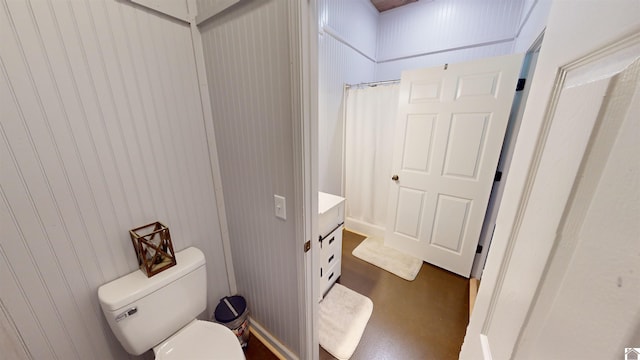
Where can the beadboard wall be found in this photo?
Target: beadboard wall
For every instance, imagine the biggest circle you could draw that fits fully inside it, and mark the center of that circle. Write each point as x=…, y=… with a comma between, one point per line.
x=356, y=21
x=430, y=33
x=532, y=23
x=101, y=131
x=393, y=69
x=10, y=342
x=341, y=64
x=247, y=58
x=208, y=8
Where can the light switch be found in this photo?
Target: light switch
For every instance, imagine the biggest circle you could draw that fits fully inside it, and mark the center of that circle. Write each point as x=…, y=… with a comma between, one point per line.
x=280, y=204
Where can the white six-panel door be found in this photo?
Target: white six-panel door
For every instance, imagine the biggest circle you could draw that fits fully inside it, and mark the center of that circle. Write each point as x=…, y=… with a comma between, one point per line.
x=449, y=132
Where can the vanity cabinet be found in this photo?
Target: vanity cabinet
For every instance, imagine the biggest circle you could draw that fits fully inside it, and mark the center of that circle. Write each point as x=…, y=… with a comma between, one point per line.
x=331, y=224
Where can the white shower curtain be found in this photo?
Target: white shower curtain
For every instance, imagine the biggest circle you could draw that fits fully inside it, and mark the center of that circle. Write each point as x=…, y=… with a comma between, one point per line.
x=370, y=117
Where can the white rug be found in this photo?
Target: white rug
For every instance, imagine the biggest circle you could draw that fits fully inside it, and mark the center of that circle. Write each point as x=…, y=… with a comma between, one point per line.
x=372, y=250
x=343, y=317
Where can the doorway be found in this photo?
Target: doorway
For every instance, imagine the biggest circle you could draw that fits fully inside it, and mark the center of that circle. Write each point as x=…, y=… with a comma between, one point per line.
x=348, y=59
x=427, y=290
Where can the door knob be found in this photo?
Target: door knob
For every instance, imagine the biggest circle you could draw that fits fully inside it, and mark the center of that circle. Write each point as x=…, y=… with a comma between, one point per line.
x=395, y=178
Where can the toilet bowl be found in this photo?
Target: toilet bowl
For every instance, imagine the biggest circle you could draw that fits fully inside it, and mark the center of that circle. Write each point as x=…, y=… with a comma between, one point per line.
x=159, y=313
x=200, y=340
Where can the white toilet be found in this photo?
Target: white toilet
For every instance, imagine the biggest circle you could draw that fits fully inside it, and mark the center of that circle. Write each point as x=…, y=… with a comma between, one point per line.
x=160, y=313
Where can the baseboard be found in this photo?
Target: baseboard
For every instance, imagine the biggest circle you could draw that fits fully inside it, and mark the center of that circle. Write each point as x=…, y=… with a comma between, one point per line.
x=364, y=228
x=270, y=341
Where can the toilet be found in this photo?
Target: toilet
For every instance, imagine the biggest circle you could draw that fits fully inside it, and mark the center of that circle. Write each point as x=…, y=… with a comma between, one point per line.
x=160, y=312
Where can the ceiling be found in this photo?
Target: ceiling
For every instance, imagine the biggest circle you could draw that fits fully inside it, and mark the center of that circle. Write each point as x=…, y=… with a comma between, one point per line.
x=384, y=5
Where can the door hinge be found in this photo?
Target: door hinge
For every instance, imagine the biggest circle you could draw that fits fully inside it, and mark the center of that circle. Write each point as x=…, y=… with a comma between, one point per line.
x=520, y=85
x=479, y=249
x=498, y=176
x=307, y=246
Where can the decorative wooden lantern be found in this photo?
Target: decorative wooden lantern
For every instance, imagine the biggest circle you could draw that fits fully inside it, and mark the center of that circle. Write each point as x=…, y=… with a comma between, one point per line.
x=153, y=247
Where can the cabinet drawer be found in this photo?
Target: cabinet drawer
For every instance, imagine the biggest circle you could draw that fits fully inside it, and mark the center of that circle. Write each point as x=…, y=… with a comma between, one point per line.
x=329, y=277
x=329, y=257
x=331, y=242
x=333, y=257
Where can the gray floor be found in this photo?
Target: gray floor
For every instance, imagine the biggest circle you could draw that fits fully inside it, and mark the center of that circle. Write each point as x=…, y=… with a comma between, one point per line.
x=421, y=319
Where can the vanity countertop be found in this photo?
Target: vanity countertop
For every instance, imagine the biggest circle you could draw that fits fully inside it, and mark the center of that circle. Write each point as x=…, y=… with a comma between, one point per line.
x=327, y=201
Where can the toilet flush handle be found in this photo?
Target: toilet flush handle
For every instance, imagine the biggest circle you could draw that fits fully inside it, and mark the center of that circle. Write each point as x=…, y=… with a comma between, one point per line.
x=127, y=313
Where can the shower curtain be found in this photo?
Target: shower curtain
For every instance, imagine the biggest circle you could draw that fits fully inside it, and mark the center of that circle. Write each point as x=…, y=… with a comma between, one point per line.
x=370, y=117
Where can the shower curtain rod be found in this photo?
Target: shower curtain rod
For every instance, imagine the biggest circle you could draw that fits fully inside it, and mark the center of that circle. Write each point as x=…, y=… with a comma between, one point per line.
x=375, y=83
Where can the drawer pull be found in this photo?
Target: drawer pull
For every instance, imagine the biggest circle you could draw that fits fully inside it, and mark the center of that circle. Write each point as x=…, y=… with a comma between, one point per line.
x=330, y=276
x=331, y=240
x=320, y=272
x=330, y=259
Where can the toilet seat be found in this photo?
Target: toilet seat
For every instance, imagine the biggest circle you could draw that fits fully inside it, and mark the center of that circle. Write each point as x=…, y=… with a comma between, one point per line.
x=200, y=340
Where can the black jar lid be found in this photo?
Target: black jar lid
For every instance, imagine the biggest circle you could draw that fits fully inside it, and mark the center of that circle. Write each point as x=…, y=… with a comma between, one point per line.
x=230, y=308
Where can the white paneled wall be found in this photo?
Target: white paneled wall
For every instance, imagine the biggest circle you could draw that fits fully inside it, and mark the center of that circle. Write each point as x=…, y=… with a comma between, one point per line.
x=532, y=23
x=430, y=26
x=101, y=131
x=393, y=69
x=431, y=33
x=356, y=21
x=340, y=64
x=209, y=8
x=248, y=69
x=10, y=342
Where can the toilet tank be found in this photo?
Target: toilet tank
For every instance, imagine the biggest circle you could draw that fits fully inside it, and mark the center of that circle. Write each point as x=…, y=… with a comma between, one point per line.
x=142, y=312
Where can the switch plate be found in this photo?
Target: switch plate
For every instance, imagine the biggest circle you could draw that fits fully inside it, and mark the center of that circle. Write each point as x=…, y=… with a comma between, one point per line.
x=280, y=206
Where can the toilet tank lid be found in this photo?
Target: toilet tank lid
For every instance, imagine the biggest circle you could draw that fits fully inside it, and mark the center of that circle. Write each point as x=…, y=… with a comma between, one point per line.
x=129, y=288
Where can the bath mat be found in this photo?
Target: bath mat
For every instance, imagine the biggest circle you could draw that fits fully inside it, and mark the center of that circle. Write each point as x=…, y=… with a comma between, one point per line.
x=372, y=250
x=343, y=317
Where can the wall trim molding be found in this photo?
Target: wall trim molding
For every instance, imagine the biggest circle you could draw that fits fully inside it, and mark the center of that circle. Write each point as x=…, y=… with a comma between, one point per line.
x=524, y=19
x=465, y=47
x=270, y=341
x=303, y=54
x=364, y=228
x=175, y=12
x=207, y=117
x=334, y=34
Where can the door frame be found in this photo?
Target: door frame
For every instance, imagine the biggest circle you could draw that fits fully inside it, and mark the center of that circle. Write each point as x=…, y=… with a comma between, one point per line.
x=516, y=266
x=303, y=54
x=508, y=145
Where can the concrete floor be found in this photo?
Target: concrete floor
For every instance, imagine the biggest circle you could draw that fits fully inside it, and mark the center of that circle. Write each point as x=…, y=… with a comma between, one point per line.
x=421, y=319
x=257, y=351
